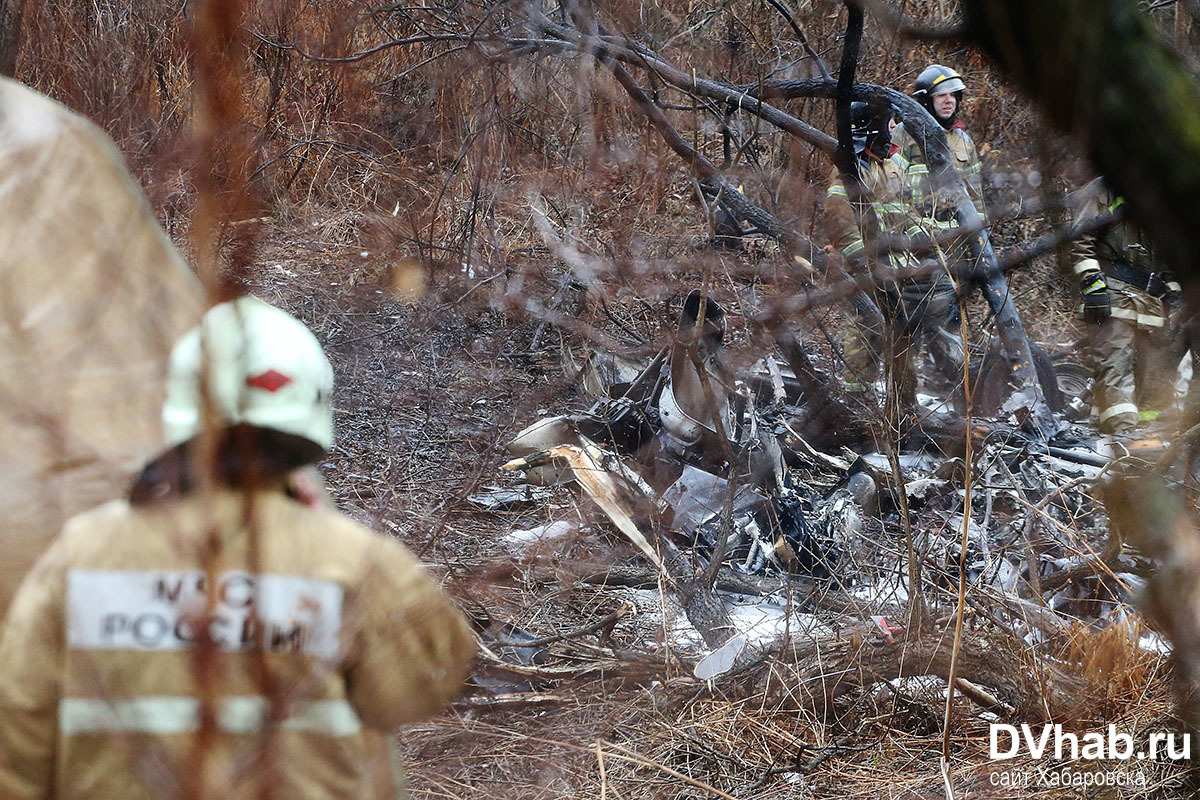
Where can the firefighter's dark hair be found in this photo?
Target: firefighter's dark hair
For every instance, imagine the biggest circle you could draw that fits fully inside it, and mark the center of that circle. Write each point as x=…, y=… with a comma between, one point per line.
x=246, y=457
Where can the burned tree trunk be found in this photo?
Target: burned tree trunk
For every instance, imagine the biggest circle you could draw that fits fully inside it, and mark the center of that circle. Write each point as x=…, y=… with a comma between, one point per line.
x=708, y=615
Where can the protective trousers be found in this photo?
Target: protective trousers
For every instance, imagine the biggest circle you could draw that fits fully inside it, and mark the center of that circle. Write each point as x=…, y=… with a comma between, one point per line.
x=912, y=327
x=1135, y=360
x=1135, y=374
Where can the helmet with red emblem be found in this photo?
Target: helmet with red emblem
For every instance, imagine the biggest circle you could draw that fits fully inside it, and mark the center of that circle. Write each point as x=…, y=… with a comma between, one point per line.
x=249, y=363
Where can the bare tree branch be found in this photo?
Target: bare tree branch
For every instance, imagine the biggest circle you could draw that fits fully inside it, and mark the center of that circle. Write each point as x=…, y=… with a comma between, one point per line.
x=901, y=25
x=628, y=52
x=802, y=38
x=736, y=202
x=363, y=54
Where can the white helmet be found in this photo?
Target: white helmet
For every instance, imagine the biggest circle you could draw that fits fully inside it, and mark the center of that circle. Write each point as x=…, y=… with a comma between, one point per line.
x=263, y=368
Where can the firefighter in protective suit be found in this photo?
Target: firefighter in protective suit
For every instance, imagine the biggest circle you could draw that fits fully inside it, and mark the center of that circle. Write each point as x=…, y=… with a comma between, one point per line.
x=1124, y=291
x=940, y=90
x=214, y=635
x=912, y=306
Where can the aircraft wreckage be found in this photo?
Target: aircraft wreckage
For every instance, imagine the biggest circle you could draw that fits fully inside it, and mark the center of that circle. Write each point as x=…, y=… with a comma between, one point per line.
x=752, y=485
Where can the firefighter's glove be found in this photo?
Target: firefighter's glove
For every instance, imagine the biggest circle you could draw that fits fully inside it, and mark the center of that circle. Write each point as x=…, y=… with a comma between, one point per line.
x=1096, y=305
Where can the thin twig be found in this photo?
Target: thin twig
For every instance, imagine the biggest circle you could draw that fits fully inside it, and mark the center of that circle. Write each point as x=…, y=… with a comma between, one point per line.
x=607, y=621
x=801, y=37
x=951, y=683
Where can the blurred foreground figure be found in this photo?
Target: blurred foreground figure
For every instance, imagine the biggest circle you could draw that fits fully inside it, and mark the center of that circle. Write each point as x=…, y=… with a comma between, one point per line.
x=92, y=297
x=219, y=633
x=1125, y=296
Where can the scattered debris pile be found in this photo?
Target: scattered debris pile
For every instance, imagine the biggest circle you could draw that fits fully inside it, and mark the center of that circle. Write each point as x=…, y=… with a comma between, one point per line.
x=765, y=549
x=688, y=447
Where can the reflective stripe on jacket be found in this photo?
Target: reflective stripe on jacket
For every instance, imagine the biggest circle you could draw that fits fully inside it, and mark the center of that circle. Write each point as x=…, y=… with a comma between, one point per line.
x=315, y=629
x=966, y=160
x=1121, y=241
x=884, y=181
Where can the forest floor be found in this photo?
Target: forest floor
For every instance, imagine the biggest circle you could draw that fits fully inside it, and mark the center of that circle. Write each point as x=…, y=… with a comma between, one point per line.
x=429, y=392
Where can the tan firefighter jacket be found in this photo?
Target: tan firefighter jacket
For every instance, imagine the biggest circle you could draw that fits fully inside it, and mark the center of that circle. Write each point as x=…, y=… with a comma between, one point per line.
x=887, y=195
x=1120, y=242
x=966, y=160
x=222, y=646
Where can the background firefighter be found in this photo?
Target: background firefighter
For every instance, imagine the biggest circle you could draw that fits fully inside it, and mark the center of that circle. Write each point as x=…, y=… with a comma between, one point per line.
x=220, y=633
x=913, y=306
x=940, y=90
x=1124, y=290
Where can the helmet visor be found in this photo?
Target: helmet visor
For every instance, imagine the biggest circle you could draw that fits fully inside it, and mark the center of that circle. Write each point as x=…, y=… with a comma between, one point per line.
x=946, y=84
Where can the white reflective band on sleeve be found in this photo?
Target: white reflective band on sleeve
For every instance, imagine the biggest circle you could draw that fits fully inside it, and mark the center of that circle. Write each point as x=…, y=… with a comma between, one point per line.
x=1119, y=408
x=166, y=716
x=1172, y=286
x=158, y=611
x=1087, y=265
